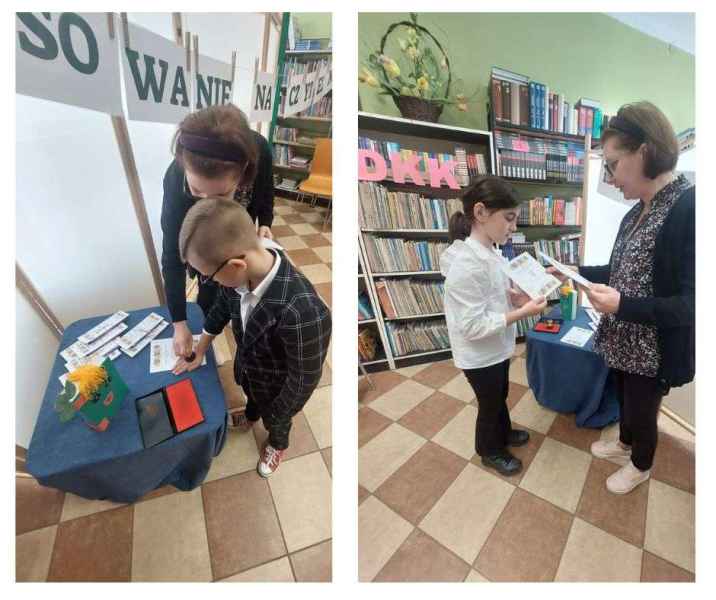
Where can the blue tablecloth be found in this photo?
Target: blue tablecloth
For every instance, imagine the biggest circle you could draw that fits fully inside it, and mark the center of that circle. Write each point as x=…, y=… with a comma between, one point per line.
x=569, y=379
x=114, y=464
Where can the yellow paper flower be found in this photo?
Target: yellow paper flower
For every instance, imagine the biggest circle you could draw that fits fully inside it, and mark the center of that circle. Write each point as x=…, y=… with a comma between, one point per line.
x=412, y=52
x=406, y=91
x=367, y=77
x=403, y=44
x=423, y=83
x=462, y=106
x=390, y=66
x=412, y=35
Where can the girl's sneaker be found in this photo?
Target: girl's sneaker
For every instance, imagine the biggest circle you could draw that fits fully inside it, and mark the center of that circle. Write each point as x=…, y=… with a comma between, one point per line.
x=612, y=450
x=269, y=461
x=626, y=479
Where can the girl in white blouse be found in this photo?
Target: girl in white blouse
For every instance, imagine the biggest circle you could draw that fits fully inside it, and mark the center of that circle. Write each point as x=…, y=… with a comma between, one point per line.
x=481, y=308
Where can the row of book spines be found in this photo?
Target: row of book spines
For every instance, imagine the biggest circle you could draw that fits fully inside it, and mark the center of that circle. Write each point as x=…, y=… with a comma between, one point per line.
x=550, y=211
x=417, y=337
x=403, y=250
x=391, y=210
x=386, y=300
x=533, y=105
x=540, y=167
x=561, y=250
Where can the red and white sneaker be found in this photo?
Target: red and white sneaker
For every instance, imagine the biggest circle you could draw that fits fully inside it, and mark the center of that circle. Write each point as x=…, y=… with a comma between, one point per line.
x=269, y=461
x=239, y=421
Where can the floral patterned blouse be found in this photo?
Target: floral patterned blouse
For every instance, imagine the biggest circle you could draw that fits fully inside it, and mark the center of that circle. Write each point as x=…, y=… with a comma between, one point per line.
x=633, y=347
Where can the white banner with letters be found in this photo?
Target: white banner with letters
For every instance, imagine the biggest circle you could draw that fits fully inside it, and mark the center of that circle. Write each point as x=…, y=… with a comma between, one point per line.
x=156, y=81
x=262, y=97
x=68, y=57
x=212, y=83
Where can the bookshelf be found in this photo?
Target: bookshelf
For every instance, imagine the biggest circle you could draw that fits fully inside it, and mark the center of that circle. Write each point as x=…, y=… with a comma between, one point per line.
x=293, y=136
x=418, y=136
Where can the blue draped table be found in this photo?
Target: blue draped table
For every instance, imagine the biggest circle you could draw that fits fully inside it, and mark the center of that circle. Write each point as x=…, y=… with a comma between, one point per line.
x=569, y=379
x=114, y=464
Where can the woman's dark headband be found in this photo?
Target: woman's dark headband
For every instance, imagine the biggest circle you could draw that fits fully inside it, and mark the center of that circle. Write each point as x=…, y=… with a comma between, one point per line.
x=627, y=127
x=211, y=148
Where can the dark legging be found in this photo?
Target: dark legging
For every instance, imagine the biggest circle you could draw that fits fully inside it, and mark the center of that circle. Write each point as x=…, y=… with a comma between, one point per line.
x=639, y=401
x=491, y=385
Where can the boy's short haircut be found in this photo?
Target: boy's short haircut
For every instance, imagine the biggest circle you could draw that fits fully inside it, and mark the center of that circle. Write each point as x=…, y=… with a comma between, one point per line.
x=216, y=229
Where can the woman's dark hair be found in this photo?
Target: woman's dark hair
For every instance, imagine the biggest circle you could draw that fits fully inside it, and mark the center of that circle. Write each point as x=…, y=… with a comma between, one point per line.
x=226, y=127
x=493, y=192
x=643, y=123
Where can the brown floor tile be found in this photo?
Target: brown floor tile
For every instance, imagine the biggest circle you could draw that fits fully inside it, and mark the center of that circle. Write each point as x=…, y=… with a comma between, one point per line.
x=315, y=240
x=94, y=548
x=314, y=563
x=241, y=523
x=362, y=494
x=525, y=453
x=292, y=218
x=417, y=485
x=432, y=414
x=565, y=430
x=438, y=374
x=515, y=393
x=282, y=231
x=674, y=463
x=370, y=424
x=325, y=292
x=527, y=541
x=327, y=454
x=621, y=515
x=36, y=505
x=656, y=569
x=233, y=394
x=159, y=492
x=382, y=382
x=303, y=257
x=301, y=440
x=421, y=558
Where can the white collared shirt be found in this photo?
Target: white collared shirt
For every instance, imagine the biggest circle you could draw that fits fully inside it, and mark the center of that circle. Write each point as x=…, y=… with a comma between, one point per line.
x=476, y=304
x=249, y=298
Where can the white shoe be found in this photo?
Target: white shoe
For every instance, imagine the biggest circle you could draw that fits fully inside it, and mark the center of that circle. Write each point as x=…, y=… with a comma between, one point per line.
x=612, y=450
x=269, y=461
x=626, y=479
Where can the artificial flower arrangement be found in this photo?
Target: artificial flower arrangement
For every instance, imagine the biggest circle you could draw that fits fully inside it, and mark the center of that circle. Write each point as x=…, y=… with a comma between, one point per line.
x=420, y=80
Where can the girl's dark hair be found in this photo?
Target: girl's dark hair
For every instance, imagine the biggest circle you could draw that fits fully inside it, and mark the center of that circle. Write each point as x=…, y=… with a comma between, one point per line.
x=225, y=124
x=493, y=192
x=643, y=123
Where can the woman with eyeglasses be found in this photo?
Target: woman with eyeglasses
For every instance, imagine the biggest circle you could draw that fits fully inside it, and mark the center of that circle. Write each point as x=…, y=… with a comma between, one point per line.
x=646, y=293
x=216, y=154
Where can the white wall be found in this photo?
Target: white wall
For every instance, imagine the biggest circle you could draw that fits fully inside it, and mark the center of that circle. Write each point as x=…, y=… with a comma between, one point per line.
x=35, y=352
x=604, y=215
x=78, y=239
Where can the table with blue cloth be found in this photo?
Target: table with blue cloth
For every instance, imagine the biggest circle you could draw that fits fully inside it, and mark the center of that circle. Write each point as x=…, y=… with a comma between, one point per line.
x=114, y=464
x=569, y=379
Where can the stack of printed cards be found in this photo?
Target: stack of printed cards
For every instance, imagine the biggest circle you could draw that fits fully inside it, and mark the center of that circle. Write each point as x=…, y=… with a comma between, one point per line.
x=594, y=318
x=137, y=338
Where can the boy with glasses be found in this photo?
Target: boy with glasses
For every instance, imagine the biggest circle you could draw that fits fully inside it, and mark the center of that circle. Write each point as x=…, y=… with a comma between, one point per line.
x=282, y=327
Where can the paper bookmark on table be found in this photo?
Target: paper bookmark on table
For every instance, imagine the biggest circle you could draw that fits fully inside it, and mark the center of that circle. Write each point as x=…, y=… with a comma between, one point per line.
x=162, y=357
x=571, y=274
x=577, y=336
x=134, y=350
x=103, y=327
x=134, y=335
x=110, y=351
x=530, y=276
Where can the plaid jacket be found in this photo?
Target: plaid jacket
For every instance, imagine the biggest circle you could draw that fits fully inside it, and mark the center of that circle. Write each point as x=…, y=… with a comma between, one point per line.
x=281, y=354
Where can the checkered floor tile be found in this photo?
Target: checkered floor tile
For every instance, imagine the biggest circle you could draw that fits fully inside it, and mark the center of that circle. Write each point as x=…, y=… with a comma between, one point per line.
x=430, y=511
x=236, y=526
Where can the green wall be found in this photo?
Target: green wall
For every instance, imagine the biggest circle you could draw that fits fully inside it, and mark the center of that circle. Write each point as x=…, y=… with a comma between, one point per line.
x=314, y=25
x=578, y=54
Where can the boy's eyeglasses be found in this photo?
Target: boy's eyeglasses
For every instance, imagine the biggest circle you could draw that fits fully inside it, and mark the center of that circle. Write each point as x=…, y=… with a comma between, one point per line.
x=204, y=279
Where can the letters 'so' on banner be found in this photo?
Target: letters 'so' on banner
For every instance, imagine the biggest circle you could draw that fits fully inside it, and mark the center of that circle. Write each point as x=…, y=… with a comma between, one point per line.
x=155, y=78
x=69, y=58
x=262, y=97
x=212, y=83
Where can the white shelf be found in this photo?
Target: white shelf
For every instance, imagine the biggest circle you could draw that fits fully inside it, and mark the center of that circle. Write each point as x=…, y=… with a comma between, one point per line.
x=307, y=52
x=417, y=354
x=425, y=124
x=436, y=231
x=411, y=317
x=375, y=362
x=363, y=321
x=403, y=273
x=296, y=144
x=288, y=168
x=308, y=119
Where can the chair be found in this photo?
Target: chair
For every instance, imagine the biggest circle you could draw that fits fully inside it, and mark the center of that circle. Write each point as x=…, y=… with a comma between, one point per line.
x=320, y=179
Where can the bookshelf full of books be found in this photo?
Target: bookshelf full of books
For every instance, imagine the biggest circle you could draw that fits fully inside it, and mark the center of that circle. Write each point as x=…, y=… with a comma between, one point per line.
x=294, y=137
x=403, y=230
